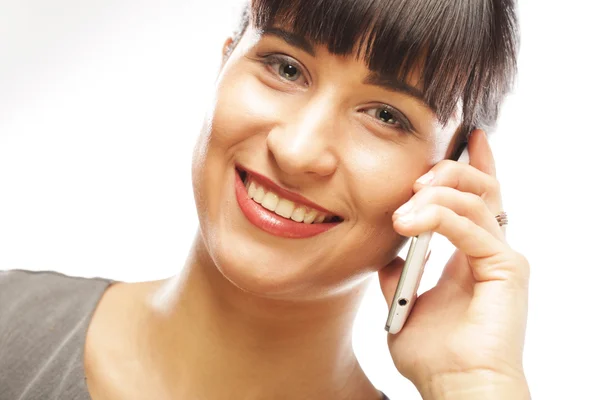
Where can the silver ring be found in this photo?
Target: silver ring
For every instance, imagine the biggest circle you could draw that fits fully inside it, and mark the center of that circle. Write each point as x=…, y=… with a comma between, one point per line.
x=502, y=219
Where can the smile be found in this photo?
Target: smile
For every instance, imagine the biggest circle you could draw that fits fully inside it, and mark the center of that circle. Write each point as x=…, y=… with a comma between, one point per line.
x=279, y=211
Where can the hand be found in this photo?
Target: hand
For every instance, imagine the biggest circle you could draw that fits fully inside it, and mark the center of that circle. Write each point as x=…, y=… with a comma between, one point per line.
x=472, y=323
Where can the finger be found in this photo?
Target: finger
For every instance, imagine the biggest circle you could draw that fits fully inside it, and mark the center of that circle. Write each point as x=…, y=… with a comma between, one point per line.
x=477, y=178
x=465, y=178
x=480, y=153
x=489, y=258
x=480, y=179
x=464, y=234
x=483, y=160
x=462, y=203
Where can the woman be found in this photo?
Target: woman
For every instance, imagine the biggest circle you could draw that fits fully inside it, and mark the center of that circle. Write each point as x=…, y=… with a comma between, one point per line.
x=328, y=143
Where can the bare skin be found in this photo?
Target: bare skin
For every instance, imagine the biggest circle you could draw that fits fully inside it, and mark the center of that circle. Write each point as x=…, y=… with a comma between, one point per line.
x=194, y=346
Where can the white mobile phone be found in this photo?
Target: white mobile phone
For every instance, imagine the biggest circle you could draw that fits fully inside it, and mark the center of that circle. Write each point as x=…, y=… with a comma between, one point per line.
x=406, y=291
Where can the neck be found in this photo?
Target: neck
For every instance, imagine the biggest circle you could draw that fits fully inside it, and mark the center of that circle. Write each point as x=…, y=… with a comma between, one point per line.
x=212, y=334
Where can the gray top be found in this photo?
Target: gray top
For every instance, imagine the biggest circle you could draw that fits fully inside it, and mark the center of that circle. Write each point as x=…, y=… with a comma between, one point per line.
x=44, y=317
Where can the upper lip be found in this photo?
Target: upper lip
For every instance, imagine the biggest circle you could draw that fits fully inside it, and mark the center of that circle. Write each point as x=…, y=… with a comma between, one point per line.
x=273, y=187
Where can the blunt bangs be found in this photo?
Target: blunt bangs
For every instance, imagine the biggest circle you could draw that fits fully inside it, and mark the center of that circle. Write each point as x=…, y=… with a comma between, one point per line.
x=464, y=50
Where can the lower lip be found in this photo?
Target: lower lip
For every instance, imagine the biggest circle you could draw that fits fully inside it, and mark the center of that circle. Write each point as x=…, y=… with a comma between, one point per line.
x=272, y=223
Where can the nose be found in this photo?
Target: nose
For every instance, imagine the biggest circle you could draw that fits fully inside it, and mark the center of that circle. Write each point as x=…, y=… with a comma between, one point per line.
x=305, y=141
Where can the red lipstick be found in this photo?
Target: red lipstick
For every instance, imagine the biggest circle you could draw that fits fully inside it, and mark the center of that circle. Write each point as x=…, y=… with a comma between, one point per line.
x=272, y=223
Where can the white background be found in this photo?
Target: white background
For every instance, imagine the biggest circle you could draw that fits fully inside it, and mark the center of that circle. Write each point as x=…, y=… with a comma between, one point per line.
x=101, y=102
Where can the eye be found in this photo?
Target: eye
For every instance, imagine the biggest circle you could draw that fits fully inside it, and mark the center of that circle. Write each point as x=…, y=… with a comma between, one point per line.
x=289, y=72
x=385, y=116
x=284, y=67
x=389, y=116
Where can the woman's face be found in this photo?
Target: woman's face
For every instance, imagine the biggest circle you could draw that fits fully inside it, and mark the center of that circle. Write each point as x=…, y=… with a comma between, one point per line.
x=333, y=141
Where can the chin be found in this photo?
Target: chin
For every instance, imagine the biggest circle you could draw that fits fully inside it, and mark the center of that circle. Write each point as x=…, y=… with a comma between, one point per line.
x=269, y=271
x=261, y=268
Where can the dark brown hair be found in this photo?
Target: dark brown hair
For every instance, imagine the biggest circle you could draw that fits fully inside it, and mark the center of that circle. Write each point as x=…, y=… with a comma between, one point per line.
x=466, y=49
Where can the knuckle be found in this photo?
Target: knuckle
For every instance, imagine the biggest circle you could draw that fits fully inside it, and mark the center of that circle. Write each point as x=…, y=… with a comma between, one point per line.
x=476, y=202
x=494, y=186
x=444, y=168
x=444, y=164
x=435, y=213
x=474, y=207
x=464, y=221
x=444, y=217
x=521, y=269
x=430, y=193
x=438, y=211
x=523, y=264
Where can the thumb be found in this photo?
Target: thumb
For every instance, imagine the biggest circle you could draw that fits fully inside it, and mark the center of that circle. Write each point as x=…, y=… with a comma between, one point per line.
x=389, y=276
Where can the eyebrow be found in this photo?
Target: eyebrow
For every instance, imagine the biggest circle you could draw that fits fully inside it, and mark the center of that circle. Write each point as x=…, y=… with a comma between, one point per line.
x=395, y=85
x=292, y=39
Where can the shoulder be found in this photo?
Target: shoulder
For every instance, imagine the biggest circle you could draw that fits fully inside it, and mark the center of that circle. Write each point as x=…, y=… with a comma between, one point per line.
x=44, y=296
x=32, y=303
x=43, y=321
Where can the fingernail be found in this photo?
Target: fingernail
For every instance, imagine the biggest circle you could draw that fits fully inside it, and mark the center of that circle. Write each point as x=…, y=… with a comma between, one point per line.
x=425, y=179
x=406, y=207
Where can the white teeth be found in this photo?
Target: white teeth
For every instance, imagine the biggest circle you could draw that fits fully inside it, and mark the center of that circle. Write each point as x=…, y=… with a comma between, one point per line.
x=285, y=208
x=270, y=201
x=259, y=195
x=310, y=217
x=298, y=214
x=252, y=190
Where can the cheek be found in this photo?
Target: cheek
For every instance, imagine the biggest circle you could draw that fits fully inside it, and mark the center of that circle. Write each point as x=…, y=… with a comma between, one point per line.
x=381, y=181
x=243, y=108
x=383, y=178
